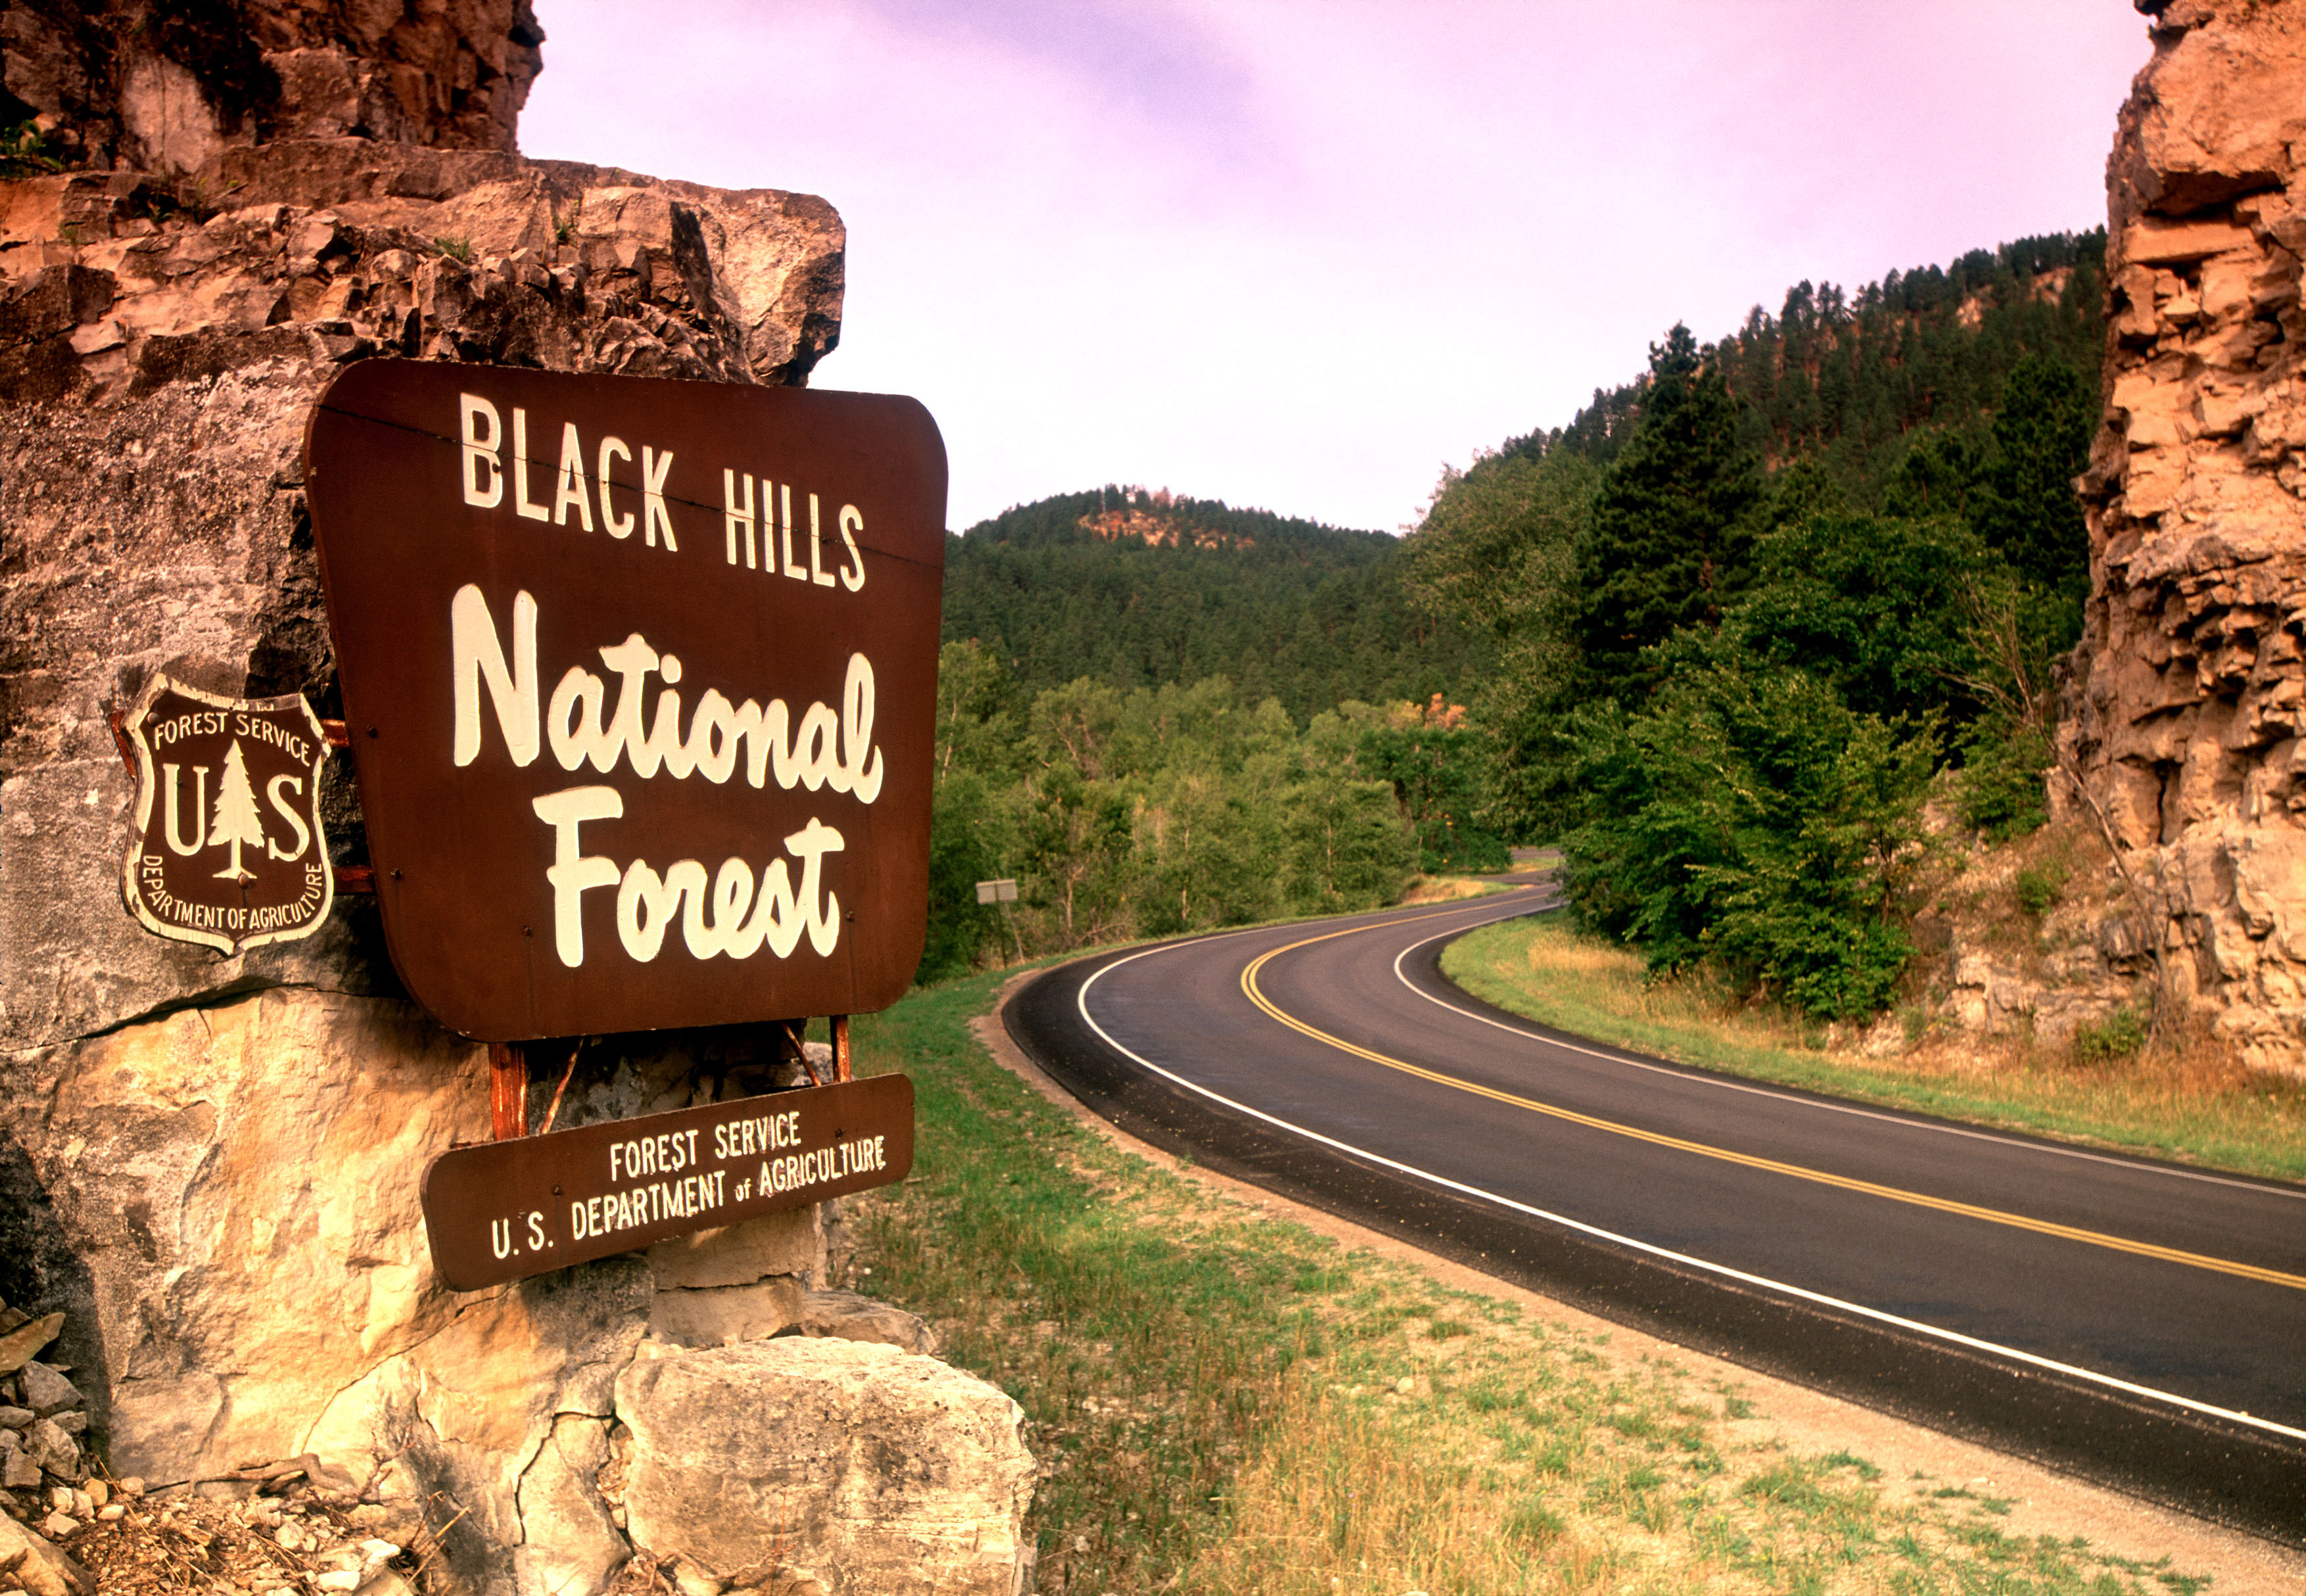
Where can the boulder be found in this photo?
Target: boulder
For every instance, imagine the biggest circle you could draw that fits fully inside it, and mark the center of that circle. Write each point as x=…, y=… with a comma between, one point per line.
x=878, y=1470
x=718, y=1315
x=46, y=1391
x=740, y=1283
x=37, y=1564
x=788, y=1243
x=853, y=1318
x=56, y=1452
x=463, y=1417
x=18, y=1345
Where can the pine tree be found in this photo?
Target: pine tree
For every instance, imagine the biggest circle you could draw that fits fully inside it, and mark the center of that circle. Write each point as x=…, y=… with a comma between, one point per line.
x=1672, y=538
x=2041, y=443
x=236, y=821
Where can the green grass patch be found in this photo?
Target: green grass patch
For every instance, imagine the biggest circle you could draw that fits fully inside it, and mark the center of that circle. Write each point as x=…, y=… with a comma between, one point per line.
x=1224, y=1403
x=1539, y=967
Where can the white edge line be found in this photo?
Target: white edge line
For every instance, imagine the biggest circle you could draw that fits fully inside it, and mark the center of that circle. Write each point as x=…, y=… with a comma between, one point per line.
x=1703, y=1079
x=1955, y=1336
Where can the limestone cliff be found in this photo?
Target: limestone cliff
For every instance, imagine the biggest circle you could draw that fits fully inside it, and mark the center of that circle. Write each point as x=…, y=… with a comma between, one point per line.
x=2190, y=696
x=210, y=1165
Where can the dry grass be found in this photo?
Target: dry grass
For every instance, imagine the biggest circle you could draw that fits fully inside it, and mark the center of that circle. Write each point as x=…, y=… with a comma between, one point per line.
x=2187, y=1099
x=1447, y=889
x=1224, y=1403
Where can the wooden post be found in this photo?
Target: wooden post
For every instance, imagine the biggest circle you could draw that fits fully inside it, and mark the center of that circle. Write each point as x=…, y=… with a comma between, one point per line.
x=841, y=1047
x=508, y=1090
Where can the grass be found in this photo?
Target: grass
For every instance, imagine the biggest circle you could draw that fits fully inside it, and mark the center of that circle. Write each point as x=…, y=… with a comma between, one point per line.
x=1224, y=1403
x=2102, y=1091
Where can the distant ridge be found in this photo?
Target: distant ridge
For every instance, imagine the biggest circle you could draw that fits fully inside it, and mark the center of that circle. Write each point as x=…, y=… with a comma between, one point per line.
x=1134, y=587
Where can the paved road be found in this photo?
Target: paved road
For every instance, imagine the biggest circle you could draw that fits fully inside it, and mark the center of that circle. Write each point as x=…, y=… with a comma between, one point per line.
x=2139, y=1322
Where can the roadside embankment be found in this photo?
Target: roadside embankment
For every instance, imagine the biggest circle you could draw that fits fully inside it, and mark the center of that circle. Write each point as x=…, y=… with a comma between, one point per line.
x=1230, y=1392
x=2163, y=1105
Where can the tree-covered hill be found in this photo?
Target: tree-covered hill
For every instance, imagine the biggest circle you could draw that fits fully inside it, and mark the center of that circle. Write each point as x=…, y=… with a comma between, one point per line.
x=1132, y=588
x=1847, y=379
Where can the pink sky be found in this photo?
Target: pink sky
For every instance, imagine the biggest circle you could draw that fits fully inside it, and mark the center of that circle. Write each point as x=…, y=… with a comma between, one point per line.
x=1301, y=256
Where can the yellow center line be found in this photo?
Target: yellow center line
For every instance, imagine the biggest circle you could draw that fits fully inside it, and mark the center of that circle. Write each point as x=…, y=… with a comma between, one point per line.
x=1796, y=1171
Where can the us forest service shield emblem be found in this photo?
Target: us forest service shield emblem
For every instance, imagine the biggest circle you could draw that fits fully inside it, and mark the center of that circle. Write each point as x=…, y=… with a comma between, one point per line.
x=228, y=851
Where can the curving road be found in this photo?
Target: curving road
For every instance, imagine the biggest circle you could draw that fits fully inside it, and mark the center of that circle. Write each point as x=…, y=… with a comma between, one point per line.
x=2138, y=1322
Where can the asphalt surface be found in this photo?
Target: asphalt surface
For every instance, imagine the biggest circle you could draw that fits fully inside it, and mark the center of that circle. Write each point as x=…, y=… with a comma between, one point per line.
x=2135, y=1322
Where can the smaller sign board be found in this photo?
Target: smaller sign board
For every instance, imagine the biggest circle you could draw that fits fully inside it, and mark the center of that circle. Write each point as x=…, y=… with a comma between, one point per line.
x=503, y=1210
x=228, y=851
x=996, y=892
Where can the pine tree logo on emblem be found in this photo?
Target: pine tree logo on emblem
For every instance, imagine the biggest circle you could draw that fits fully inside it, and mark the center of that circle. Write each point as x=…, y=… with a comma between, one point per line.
x=228, y=851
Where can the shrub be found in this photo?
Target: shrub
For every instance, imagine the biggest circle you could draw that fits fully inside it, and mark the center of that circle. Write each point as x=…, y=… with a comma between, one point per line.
x=2039, y=886
x=2119, y=1036
x=1750, y=818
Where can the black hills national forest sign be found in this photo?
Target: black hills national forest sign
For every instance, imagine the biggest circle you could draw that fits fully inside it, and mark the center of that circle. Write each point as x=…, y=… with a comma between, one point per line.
x=640, y=681
x=227, y=850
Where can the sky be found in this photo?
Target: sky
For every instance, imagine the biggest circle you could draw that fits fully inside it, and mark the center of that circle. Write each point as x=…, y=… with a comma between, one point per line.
x=1302, y=256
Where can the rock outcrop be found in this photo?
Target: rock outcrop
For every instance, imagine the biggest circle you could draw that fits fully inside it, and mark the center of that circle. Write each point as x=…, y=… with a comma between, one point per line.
x=2190, y=700
x=163, y=87
x=210, y=1165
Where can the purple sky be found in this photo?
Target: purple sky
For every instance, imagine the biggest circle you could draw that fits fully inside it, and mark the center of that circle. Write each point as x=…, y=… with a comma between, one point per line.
x=1302, y=255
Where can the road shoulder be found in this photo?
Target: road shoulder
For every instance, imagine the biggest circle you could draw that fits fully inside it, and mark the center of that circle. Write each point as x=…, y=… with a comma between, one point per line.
x=2044, y=1501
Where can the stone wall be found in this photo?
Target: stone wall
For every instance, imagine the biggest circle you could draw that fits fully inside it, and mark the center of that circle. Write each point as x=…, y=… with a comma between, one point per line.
x=211, y=1165
x=2191, y=697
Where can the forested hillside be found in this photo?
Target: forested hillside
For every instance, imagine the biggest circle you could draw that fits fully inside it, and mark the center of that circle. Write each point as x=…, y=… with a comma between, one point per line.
x=1752, y=611
x=1722, y=634
x=1135, y=589
x=1849, y=378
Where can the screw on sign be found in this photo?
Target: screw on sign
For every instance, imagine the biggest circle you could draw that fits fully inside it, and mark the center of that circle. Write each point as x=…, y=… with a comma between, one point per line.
x=227, y=850
x=643, y=679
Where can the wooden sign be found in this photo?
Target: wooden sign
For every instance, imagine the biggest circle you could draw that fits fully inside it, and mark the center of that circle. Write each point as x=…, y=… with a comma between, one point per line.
x=228, y=851
x=640, y=679
x=501, y=1210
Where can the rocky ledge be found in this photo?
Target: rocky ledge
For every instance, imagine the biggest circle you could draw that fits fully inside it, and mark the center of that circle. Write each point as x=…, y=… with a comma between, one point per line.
x=2190, y=699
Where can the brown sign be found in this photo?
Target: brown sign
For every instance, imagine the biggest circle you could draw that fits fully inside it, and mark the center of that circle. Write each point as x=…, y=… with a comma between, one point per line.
x=641, y=681
x=228, y=851
x=502, y=1210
